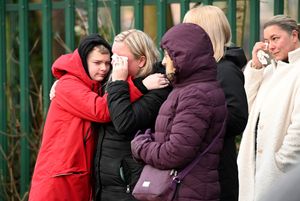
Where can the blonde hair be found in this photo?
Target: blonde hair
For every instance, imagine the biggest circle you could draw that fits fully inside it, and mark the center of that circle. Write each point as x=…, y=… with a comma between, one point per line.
x=213, y=20
x=140, y=44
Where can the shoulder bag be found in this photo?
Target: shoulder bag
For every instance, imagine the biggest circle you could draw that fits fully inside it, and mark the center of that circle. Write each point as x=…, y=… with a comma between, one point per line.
x=162, y=185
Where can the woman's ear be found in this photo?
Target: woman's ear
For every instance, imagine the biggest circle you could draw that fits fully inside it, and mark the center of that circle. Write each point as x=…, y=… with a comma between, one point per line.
x=295, y=35
x=142, y=61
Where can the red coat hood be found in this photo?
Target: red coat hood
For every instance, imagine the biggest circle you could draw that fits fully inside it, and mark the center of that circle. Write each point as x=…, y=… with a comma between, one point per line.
x=72, y=64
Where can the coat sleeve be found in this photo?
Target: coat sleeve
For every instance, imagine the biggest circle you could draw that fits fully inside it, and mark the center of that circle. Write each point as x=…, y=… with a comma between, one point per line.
x=188, y=130
x=78, y=99
x=253, y=80
x=129, y=117
x=288, y=154
x=231, y=79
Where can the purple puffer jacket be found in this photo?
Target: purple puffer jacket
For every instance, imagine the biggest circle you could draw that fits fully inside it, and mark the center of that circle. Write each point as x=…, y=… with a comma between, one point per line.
x=190, y=118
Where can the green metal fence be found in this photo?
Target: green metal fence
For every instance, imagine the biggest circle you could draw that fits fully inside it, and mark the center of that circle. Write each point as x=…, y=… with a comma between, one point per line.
x=23, y=8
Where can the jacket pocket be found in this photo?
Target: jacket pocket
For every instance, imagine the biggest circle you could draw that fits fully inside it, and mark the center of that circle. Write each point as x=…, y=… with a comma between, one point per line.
x=67, y=173
x=131, y=171
x=125, y=174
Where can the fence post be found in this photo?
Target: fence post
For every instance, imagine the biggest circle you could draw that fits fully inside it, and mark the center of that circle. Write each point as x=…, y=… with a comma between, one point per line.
x=115, y=17
x=231, y=15
x=24, y=86
x=139, y=14
x=278, y=7
x=47, y=52
x=161, y=24
x=254, y=23
x=208, y=2
x=298, y=10
x=184, y=7
x=92, y=16
x=3, y=100
x=70, y=24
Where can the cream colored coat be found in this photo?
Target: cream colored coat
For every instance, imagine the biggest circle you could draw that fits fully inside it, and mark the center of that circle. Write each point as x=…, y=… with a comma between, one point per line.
x=274, y=92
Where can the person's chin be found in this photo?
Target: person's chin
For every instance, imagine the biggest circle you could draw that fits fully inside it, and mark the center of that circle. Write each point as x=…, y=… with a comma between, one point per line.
x=279, y=58
x=99, y=79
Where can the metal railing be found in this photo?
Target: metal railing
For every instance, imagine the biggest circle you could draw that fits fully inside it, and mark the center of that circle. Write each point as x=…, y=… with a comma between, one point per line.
x=46, y=7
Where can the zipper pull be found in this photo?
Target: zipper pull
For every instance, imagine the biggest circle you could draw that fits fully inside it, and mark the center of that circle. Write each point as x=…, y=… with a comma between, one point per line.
x=173, y=172
x=128, y=189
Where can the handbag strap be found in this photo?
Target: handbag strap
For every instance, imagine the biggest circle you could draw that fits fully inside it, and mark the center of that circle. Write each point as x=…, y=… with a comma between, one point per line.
x=187, y=169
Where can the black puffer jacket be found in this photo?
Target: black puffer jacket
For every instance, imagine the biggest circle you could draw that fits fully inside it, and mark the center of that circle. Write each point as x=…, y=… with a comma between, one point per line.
x=116, y=172
x=231, y=79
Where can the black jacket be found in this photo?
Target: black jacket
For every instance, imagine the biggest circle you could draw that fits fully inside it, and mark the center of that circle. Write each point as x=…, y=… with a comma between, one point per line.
x=231, y=78
x=116, y=172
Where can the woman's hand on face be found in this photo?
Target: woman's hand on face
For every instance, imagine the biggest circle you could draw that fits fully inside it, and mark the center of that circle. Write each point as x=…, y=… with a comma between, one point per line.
x=259, y=46
x=120, y=68
x=156, y=81
x=52, y=90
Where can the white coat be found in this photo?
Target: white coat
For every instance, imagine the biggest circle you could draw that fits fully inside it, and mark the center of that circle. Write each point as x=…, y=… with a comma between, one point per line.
x=273, y=93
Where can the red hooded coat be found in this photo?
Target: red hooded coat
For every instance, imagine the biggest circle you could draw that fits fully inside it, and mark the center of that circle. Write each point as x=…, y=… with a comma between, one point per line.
x=63, y=166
